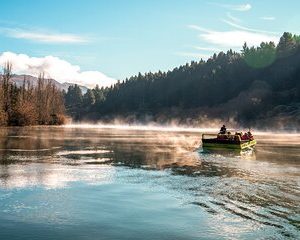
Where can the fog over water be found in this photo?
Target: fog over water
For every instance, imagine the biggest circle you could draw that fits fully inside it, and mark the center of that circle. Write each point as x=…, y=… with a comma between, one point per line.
x=154, y=182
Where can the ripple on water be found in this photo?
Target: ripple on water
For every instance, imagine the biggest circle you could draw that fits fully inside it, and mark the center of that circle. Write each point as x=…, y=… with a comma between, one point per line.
x=234, y=195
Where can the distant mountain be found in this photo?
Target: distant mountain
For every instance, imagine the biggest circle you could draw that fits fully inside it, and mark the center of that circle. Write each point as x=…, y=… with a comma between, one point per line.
x=18, y=80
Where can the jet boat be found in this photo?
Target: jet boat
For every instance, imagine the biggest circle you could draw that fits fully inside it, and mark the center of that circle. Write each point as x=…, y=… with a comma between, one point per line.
x=228, y=141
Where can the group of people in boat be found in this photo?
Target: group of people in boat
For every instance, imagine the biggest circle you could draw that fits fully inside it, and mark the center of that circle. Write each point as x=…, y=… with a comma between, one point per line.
x=238, y=136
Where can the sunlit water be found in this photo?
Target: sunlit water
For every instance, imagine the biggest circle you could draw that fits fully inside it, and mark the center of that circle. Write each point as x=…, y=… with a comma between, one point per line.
x=102, y=183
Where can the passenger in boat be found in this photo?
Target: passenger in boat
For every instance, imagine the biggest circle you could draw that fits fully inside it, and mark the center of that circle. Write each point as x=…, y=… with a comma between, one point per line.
x=238, y=136
x=250, y=136
x=244, y=137
x=230, y=136
x=223, y=130
x=247, y=136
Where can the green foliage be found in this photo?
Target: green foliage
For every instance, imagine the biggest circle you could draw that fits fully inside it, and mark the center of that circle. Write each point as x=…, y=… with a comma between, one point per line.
x=288, y=44
x=89, y=98
x=261, y=56
x=73, y=101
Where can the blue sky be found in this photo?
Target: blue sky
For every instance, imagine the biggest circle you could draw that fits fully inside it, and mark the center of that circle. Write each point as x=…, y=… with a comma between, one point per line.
x=95, y=39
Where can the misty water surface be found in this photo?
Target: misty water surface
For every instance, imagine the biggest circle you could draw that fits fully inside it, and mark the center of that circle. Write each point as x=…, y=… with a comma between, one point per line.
x=101, y=183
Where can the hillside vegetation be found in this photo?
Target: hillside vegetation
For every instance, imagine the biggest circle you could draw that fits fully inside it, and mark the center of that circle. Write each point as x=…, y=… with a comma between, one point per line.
x=258, y=87
x=28, y=104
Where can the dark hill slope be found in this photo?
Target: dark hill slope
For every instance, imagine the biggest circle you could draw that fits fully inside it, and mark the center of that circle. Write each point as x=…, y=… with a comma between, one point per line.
x=257, y=87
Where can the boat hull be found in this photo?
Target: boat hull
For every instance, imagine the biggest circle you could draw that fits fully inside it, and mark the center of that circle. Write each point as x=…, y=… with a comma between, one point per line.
x=226, y=145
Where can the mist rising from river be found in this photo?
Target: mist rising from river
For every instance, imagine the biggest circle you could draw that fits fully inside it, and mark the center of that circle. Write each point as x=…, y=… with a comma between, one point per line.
x=246, y=195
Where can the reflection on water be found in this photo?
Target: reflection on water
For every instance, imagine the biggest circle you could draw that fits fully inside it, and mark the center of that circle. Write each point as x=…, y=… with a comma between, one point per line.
x=229, y=194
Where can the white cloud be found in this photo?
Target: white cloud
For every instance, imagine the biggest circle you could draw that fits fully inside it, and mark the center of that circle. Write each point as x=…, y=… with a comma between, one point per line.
x=42, y=36
x=232, y=18
x=246, y=28
x=240, y=7
x=235, y=39
x=196, y=27
x=268, y=18
x=216, y=41
x=55, y=68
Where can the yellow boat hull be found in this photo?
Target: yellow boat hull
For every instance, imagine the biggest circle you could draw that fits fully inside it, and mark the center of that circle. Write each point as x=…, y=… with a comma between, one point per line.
x=240, y=146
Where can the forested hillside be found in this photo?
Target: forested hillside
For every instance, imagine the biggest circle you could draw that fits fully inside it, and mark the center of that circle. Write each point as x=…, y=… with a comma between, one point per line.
x=259, y=87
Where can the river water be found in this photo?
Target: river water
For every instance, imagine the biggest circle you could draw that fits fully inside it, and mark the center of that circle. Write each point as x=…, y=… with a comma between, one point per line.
x=89, y=182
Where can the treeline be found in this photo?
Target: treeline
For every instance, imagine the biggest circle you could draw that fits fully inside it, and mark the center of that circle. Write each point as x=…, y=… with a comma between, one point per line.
x=257, y=84
x=42, y=104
